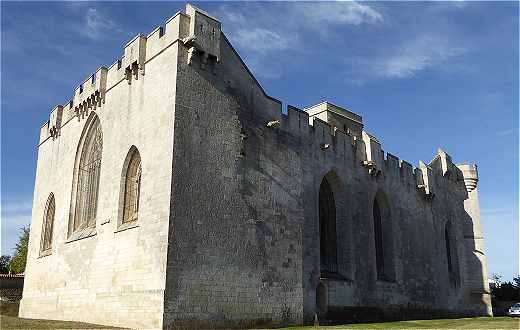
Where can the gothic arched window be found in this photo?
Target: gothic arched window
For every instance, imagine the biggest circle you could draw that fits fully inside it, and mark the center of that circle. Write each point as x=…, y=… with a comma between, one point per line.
x=451, y=253
x=383, y=238
x=328, y=238
x=448, y=249
x=132, y=186
x=48, y=223
x=378, y=237
x=87, y=178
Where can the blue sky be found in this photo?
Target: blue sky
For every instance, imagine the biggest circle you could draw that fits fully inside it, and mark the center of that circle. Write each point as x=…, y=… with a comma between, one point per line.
x=422, y=75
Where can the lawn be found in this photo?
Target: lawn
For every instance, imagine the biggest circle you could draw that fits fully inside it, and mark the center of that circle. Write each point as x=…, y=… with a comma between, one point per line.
x=463, y=323
x=10, y=320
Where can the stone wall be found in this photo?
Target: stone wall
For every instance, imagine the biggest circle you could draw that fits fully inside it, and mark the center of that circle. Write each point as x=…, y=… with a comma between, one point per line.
x=235, y=240
x=244, y=237
x=113, y=277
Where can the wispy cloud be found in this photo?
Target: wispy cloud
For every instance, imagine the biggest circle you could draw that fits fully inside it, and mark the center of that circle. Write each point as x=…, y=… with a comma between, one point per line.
x=407, y=60
x=351, y=12
x=439, y=6
x=263, y=40
x=96, y=23
x=506, y=132
x=274, y=32
x=261, y=31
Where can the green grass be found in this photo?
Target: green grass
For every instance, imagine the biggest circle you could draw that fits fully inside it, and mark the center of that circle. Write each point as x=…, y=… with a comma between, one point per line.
x=463, y=323
x=9, y=320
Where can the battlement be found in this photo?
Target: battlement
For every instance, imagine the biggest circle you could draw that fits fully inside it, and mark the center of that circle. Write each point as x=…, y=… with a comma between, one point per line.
x=90, y=94
x=313, y=123
x=332, y=128
x=196, y=29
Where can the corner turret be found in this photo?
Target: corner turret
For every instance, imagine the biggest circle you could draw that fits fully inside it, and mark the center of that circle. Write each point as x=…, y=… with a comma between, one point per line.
x=477, y=282
x=470, y=174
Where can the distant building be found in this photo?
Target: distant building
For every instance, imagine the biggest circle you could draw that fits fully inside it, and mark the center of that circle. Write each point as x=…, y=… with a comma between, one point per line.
x=173, y=191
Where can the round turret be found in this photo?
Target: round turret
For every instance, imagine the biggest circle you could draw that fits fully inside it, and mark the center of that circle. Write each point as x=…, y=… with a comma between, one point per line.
x=469, y=171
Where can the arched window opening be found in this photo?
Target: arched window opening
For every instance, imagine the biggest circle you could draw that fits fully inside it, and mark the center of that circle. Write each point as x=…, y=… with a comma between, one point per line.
x=451, y=254
x=448, y=250
x=383, y=238
x=88, y=171
x=132, y=187
x=378, y=236
x=328, y=238
x=47, y=227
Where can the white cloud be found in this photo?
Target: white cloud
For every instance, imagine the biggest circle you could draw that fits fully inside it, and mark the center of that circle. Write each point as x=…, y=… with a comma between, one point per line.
x=261, y=31
x=407, y=60
x=262, y=40
x=351, y=12
x=96, y=24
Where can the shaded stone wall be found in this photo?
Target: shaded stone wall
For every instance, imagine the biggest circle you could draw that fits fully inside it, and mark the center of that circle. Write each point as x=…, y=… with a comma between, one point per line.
x=244, y=235
x=235, y=239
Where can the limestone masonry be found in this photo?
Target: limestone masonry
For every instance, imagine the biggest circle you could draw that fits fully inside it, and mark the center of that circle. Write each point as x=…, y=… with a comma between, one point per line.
x=172, y=191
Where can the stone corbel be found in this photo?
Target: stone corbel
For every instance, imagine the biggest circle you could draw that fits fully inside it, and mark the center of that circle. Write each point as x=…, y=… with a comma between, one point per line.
x=372, y=168
x=132, y=71
x=273, y=123
x=192, y=51
x=192, y=47
x=54, y=132
x=195, y=49
x=324, y=146
x=428, y=195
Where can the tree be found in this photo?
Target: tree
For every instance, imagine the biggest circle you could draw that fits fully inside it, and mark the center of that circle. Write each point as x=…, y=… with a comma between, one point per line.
x=505, y=291
x=516, y=281
x=497, y=278
x=20, y=252
x=4, y=264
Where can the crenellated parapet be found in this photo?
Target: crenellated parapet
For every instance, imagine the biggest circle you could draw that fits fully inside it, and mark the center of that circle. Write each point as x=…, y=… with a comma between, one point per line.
x=333, y=126
x=90, y=94
x=333, y=129
x=195, y=29
x=133, y=61
x=329, y=136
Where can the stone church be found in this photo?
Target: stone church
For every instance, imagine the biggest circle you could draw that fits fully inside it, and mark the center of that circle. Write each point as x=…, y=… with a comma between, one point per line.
x=171, y=191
